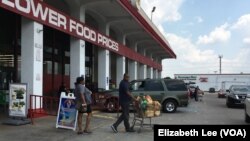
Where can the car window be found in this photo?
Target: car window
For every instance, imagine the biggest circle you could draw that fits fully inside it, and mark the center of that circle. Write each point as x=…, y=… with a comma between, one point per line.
x=241, y=89
x=175, y=85
x=154, y=85
x=137, y=86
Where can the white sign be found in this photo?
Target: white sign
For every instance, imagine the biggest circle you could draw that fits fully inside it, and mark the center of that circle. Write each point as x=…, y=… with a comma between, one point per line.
x=17, y=100
x=187, y=77
x=67, y=112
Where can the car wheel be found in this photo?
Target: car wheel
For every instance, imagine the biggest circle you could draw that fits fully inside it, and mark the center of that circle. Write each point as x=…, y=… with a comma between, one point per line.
x=169, y=106
x=111, y=105
x=247, y=118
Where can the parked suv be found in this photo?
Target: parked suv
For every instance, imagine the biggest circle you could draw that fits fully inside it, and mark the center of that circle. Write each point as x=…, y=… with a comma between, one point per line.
x=171, y=93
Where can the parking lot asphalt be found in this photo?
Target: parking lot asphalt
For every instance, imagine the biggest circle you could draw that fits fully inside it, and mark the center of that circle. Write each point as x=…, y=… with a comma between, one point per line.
x=211, y=110
x=44, y=129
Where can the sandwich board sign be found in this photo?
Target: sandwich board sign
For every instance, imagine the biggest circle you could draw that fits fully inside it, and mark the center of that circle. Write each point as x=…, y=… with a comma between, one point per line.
x=17, y=104
x=18, y=100
x=67, y=112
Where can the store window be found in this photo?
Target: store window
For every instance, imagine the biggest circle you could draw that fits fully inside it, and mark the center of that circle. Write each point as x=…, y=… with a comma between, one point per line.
x=154, y=85
x=56, y=68
x=10, y=49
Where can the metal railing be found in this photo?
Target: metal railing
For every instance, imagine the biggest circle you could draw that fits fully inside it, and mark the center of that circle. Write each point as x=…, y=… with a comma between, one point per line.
x=42, y=105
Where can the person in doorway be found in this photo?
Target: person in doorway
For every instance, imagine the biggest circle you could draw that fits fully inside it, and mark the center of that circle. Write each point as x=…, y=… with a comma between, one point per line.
x=83, y=105
x=62, y=88
x=125, y=98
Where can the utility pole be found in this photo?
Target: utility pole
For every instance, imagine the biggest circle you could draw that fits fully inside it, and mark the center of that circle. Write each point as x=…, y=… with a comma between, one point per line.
x=220, y=57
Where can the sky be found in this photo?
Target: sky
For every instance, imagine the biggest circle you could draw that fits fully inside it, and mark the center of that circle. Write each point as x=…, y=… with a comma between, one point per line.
x=199, y=31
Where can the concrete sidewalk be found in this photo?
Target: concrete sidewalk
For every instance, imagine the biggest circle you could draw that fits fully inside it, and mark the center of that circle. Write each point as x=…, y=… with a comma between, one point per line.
x=45, y=129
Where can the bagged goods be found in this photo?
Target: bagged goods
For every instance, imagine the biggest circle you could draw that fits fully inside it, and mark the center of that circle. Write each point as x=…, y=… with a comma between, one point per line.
x=149, y=99
x=153, y=109
x=152, y=113
x=149, y=113
x=138, y=98
x=144, y=105
x=157, y=105
x=157, y=113
x=149, y=107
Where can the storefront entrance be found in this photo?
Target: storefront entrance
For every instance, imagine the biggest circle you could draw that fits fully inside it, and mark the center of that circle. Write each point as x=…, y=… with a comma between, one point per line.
x=56, y=61
x=10, y=48
x=56, y=64
x=10, y=54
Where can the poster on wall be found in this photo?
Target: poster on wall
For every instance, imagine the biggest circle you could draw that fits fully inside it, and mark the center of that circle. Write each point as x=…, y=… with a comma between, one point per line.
x=38, y=55
x=17, y=99
x=203, y=79
x=67, y=113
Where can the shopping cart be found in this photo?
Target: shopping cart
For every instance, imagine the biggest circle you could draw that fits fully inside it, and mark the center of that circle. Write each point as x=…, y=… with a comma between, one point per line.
x=140, y=116
x=200, y=95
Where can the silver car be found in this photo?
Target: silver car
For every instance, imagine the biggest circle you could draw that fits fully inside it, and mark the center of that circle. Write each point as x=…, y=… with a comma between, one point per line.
x=247, y=108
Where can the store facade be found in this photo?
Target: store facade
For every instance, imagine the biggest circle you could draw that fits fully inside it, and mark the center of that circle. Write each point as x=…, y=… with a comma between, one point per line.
x=46, y=43
x=215, y=81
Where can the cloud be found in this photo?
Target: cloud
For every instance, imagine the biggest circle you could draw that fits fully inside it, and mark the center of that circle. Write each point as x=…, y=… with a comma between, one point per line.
x=238, y=63
x=190, y=24
x=192, y=60
x=190, y=57
x=219, y=34
x=243, y=22
x=165, y=11
x=199, y=19
x=242, y=26
x=246, y=40
x=188, y=51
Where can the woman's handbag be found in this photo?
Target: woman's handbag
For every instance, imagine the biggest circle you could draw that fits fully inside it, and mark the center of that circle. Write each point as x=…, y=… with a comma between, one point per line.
x=81, y=108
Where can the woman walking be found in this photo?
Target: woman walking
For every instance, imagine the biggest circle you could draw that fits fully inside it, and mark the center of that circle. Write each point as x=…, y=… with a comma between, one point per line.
x=83, y=105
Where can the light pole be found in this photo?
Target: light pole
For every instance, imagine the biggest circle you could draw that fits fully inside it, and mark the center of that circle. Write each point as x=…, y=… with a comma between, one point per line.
x=220, y=56
x=153, y=10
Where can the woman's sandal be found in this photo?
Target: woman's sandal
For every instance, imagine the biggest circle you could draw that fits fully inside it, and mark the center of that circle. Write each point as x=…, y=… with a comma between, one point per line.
x=80, y=132
x=86, y=131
